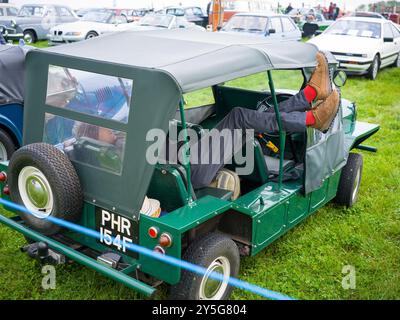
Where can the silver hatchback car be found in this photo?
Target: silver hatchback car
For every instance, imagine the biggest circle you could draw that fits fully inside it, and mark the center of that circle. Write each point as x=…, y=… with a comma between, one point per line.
x=277, y=27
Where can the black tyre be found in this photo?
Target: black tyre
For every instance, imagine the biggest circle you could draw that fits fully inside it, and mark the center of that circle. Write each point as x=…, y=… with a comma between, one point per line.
x=42, y=178
x=350, y=180
x=30, y=36
x=215, y=252
x=374, y=68
x=91, y=34
x=7, y=146
x=396, y=64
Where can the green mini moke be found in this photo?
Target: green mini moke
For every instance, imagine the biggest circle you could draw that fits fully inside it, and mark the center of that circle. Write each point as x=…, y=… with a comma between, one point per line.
x=88, y=109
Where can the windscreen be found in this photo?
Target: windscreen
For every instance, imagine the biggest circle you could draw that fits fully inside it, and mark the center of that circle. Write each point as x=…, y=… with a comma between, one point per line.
x=356, y=28
x=254, y=24
x=156, y=20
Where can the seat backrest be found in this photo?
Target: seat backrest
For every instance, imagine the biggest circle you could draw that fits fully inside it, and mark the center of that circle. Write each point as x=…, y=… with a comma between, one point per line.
x=260, y=173
x=168, y=185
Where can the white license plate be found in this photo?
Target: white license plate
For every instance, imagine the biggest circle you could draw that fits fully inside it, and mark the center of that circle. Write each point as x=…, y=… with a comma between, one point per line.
x=116, y=231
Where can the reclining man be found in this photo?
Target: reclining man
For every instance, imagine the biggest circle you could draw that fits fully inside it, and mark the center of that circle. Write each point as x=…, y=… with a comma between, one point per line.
x=296, y=115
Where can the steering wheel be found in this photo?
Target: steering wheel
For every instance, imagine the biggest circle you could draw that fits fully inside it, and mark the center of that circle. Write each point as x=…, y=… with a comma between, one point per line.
x=267, y=103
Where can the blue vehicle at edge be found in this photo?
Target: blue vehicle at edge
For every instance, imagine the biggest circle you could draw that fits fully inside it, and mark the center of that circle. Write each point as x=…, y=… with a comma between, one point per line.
x=12, y=59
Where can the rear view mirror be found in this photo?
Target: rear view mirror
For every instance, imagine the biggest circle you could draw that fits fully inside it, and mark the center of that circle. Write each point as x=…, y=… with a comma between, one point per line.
x=340, y=78
x=271, y=31
x=387, y=39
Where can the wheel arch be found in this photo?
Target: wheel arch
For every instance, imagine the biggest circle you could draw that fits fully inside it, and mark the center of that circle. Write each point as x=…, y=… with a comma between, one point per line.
x=30, y=28
x=11, y=130
x=235, y=224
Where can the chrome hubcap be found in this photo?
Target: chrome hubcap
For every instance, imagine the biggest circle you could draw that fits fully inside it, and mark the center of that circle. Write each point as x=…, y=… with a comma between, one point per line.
x=35, y=191
x=28, y=38
x=356, y=185
x=214, y=289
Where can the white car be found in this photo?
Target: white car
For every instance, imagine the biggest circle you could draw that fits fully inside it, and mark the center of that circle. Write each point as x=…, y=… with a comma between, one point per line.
x=98, y=22
x=362, y=45
x=92, y=24
x=153, y=21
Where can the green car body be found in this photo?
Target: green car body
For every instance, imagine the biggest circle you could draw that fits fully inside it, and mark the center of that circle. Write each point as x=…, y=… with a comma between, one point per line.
x=260, y=216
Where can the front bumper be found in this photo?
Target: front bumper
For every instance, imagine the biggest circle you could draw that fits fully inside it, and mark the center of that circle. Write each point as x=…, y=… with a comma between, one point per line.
x=57, y=40
x=353, y=65
x=120, y=276
x=11, y=34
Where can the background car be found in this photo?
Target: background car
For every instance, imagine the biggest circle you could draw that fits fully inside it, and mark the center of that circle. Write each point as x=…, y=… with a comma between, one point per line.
x=7, y=13
x=92, y=24
x=192, y=14
x=154, y=21
x=274, y=26
x=35, y=20
x=136, y=14
x=81, y=12
x=362, y=45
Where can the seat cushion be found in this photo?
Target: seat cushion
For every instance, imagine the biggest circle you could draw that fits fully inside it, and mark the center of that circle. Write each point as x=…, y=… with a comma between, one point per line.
x=273, y=164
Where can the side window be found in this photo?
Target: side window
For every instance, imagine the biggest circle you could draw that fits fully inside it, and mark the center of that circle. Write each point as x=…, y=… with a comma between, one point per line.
x=276, y=24
x=189, y=12
x=199, y=98
x=121, y=19
x=387, y=31
x=396, y=32
x=197, y=12
x=12, y=12
x=288, y=25
x=283, y=79
x=64, y=12
x=1, y=12
x=51, y=12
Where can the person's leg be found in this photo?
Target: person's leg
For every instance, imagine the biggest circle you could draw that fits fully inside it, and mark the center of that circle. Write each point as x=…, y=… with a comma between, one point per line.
x=205, y=163
x=299, y=102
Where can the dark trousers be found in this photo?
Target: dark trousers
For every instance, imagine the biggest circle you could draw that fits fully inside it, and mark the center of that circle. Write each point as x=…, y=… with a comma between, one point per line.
x=204, y=170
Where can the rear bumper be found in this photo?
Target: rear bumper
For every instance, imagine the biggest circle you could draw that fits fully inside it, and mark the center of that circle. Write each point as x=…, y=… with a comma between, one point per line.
x=120, y=276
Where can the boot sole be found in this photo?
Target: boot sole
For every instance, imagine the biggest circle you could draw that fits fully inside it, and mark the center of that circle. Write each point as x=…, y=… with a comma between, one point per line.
x=337, y=111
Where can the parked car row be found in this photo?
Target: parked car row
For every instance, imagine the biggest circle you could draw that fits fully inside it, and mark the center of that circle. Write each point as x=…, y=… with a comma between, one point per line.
x=102, y=21
x=33, y=21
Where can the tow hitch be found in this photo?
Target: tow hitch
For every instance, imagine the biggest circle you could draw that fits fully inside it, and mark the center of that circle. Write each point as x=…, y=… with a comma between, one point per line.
x=41, y=252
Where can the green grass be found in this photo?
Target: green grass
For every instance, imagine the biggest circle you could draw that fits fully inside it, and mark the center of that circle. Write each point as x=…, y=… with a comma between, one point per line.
x=307, y=262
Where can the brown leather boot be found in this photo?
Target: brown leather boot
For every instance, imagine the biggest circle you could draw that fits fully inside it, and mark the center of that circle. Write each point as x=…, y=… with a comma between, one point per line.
x=320, y=79
x=326, y=111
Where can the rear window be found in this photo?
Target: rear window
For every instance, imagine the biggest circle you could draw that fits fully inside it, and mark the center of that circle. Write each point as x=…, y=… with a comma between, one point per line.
x=86, y=143
x=99, y=95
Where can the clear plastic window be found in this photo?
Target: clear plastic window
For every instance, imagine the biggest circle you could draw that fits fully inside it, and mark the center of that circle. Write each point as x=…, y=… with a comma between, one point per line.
x=86, y=143
x=100, y=95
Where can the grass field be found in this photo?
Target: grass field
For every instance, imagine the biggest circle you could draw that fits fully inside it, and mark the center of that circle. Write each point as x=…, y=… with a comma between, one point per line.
x=307, y=262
